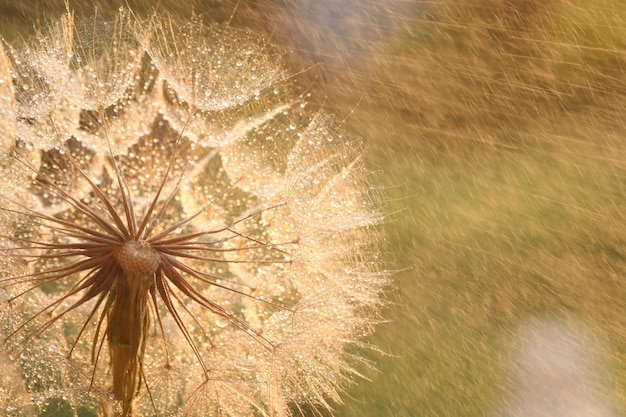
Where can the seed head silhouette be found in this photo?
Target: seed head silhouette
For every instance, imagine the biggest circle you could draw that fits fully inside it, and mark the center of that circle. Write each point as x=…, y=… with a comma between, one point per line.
x=179, y=235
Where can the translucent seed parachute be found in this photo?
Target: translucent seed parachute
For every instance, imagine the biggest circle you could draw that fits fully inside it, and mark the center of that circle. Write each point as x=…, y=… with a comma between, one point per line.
x=179, y=235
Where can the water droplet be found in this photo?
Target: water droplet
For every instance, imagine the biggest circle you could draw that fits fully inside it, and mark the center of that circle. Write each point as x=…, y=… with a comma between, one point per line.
x=221, y=322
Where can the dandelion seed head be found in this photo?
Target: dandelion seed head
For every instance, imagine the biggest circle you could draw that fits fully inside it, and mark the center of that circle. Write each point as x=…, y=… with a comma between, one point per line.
x=179, y=235
x=138, y=257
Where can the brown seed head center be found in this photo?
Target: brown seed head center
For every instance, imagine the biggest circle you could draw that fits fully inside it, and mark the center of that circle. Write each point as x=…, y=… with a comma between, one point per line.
x=138, y=257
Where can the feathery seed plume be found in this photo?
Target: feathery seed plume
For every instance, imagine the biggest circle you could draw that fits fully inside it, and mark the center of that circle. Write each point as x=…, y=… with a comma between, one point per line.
x=179, y=235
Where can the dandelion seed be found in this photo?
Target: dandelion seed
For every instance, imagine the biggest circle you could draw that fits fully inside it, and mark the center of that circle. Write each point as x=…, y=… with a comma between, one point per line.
x=177, y=238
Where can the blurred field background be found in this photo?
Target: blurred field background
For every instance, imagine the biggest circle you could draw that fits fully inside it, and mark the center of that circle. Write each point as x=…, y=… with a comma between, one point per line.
x=497, y=128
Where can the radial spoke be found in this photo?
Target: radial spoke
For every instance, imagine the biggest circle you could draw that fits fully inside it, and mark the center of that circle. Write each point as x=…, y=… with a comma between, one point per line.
x=258, y=241
x=181, y=223
x=155, y=199
x=69, y=225
x=206, y=246
x=79, y=205
x=165, y=291
x=155, y=306
x=87, y=281
x=205, y=277
x=181, y=283
x=102, y=297
x=61, y=272
x=131, y=222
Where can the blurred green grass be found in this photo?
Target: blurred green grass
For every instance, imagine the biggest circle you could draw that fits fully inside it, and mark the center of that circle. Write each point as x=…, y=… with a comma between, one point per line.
x=497, y=129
